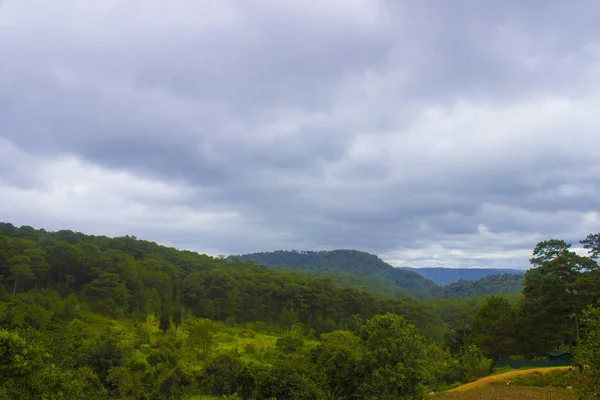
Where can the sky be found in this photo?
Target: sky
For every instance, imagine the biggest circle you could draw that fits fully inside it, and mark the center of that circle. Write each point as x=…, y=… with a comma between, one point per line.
x=431, y=133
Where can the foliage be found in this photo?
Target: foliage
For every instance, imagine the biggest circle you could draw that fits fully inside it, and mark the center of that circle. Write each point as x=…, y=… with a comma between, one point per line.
x=127, y=277
x=126, y=318
x=494, y=284
x=349, y=262
x=25, y=372
x=395, y=359
x=350, y=268
x=588, y=354
x=494, y=328
x=474, y=363
x=555, y=291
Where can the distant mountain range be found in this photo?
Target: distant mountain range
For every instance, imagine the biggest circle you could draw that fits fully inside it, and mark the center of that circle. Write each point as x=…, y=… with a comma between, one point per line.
x=352, y=268
x=444, y=276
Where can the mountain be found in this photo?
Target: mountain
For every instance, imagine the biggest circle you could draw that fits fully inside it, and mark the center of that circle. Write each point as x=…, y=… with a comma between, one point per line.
x=346, y=262
x=364, y=271
x=443, y=276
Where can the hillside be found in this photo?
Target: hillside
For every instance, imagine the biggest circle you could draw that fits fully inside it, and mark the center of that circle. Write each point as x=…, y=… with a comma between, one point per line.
x=359, y=270
x=347, y=262
x=491, y=284
x=126, y=275
x=443, y=276
x=368, y=284
x=95, y=317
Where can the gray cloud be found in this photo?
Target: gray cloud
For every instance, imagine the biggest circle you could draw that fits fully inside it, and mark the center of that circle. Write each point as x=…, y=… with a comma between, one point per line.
x=430, y=133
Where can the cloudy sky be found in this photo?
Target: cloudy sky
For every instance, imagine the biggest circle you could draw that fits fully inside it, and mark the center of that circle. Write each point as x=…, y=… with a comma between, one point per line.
x=432, y=133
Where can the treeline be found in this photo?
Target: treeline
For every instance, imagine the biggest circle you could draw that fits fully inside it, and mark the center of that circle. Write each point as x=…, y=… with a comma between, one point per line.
x=349, y=262
x=68, y=353
x=95, y=317
x=557, y=290
x=129, y=277
x=356, y=269
x=496, y=284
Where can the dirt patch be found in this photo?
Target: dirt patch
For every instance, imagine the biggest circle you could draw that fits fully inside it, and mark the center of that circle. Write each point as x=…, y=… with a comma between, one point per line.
x=503, y=392
x=504, y=377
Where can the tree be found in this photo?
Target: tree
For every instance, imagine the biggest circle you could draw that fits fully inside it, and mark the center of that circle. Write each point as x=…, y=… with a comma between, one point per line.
x=339, y=357
x=459, y=328
x=494, y=327
x=165, y=321
x=26, y=372
x=3, y=292
x=222, y=373
x=557, y=289
x=473, y=361
x=201, y=339
x=395, y=359
x=592, y=243
x=587, y=355
x=90, y=383
x=174, y=384
x=64, y=259
x=548, y=250
x=292, y=341
x=108, y=294
x=104, y=354
x=39, y=265
x=531, y=341
x=177, y=313
x=20, y=269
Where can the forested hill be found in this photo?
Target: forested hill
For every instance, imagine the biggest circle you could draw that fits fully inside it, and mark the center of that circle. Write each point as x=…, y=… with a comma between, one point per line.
x=96, y=317
x=490, y=284
x=443, y=276
x=125, y=276
x=347, y=262
x=356, y=269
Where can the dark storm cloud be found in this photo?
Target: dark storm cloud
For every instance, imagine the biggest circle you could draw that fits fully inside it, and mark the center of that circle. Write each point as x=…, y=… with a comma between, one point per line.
x=452, y=133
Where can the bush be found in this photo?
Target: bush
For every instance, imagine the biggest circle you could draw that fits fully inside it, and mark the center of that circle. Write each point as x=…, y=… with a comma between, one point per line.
x=476, y=365
x=250, y=348
x=451, y=371
x=289, y=343
x=222, y=373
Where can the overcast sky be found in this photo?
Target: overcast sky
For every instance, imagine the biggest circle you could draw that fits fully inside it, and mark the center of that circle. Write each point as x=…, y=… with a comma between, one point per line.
x=432, y=133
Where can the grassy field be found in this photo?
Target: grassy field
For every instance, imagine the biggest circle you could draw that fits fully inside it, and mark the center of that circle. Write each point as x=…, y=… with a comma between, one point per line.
x=505, y=392
x=506, y=377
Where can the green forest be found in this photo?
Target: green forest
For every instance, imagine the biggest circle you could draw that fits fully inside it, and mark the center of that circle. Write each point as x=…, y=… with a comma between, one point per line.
x=357, y=269
x=93, y=317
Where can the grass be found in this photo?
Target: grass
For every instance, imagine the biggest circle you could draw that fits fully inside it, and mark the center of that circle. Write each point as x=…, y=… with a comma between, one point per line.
x=504, y=392
x=506, y=377
x=253, y=345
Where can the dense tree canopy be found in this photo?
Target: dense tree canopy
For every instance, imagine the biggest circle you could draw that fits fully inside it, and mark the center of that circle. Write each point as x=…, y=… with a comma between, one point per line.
x=557, y=289
x=126, y=318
